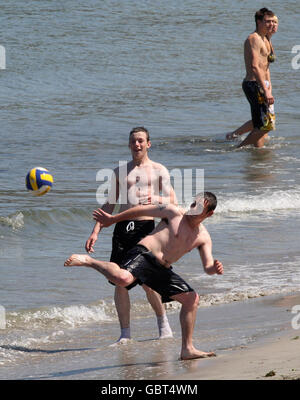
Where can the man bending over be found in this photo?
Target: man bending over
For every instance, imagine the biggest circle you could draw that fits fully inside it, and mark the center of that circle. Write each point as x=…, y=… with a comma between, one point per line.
x=149, y=262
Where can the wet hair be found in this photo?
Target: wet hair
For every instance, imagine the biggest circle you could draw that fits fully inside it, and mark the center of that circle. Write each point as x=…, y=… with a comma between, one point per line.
x=139, y=129
x=210, y=197
x=259, y=15
x=212, y=201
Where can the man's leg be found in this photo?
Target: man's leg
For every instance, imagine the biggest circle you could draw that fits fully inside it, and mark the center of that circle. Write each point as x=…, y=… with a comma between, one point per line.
x=256, y=137
x=122, y=303
x=115, y=275
x=110, y=270
x=189, y=301
x=154, y=299
x=246, y=127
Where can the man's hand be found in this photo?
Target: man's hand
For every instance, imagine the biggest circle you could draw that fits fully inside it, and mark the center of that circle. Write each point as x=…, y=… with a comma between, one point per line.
x=89, y=245
x=218, y=267
x=269, y=98
x=104, y=218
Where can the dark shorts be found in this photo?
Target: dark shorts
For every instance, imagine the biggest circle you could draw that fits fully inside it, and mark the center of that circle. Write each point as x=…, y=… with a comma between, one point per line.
x=145, y=267
x=262, y=117
x=126, y=235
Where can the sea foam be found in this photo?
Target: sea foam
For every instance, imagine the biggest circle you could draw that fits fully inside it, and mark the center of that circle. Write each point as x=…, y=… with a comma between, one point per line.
x=268, y=201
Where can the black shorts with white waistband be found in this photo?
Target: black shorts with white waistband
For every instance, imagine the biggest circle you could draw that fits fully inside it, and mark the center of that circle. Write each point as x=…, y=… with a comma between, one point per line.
x=126, y=235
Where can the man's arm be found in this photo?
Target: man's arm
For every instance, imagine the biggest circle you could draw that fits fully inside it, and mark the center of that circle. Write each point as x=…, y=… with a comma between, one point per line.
x=165, y=199
x=269, y=79
x=210, y=265
x=166, y=188
x=162, y=191
x=155, y=211
x=108, y=208
x=89, y=245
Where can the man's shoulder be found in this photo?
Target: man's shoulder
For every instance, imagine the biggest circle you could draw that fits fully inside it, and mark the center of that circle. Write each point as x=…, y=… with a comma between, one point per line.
x=157, y=165
x=204, y=236
x=254, y=39
x=124, y=166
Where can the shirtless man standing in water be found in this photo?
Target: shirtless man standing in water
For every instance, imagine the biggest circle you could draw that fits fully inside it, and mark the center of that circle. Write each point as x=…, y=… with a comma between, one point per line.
x=248, y=126
x=140, y=181
x=149, y=262
x=257, y=83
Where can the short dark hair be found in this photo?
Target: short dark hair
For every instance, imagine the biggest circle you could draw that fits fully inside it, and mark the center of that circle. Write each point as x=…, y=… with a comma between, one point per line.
x=212, y=201
x=140, y=129
x=259, y=15
x=210, y=197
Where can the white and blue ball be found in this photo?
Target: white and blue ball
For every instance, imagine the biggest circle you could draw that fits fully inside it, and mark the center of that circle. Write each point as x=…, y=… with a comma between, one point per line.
x=39, y=181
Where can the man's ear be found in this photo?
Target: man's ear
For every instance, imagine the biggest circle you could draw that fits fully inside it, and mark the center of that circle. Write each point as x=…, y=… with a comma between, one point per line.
x=148, y=144
x=205, y=202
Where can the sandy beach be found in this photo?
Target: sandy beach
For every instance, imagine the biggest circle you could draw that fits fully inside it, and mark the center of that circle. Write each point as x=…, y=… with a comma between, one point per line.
x=272, y=358
x=78, y=77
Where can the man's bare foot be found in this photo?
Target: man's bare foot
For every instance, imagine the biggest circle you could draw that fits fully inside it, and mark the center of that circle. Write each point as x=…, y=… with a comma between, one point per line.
x=79, y=260
x=190, y=355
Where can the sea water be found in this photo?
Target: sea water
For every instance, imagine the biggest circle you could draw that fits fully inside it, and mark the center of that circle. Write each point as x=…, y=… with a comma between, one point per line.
x=79, y=75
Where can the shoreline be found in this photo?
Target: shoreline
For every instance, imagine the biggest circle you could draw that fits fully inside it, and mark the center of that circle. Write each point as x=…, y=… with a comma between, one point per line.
x=272, y=357
x=251, y=339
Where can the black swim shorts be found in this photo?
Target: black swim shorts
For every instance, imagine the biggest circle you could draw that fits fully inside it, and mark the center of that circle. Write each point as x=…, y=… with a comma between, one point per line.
x=126, y=235
x=262, y=117
x=145, y=267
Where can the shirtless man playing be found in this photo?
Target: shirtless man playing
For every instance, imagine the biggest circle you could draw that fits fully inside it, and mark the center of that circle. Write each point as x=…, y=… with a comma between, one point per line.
x=149, y=262
x=139, y=181
x=257, y=83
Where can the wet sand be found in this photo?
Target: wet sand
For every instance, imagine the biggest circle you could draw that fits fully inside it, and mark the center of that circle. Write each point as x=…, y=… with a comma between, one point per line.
x=250, y=338
x=275, y=357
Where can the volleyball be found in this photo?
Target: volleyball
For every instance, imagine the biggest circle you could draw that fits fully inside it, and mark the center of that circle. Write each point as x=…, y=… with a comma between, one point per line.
x=39, y=181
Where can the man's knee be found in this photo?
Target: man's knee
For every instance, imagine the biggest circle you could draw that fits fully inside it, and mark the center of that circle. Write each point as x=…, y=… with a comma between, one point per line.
x=189, y=299
x=124, y=278
x=147, y=289
x=259, y=133
x=194, y=299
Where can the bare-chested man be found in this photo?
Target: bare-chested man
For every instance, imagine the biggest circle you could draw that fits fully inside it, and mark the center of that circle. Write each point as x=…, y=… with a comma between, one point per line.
x=149, y=262
x=140, y=181
x=257, y=83
x=248, y=126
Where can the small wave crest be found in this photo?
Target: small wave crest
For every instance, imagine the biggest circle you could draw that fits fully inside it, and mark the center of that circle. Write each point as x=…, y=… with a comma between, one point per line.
x=235, y=296
x=68, y=316
x=55, y=215
x=266, y=202
x=29, y=217
x=14, y=221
